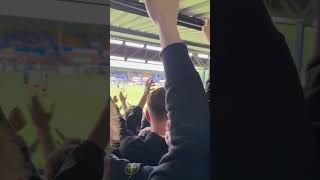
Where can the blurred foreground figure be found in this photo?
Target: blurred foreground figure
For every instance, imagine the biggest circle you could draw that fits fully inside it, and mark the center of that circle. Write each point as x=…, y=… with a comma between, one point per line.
x=15, y=162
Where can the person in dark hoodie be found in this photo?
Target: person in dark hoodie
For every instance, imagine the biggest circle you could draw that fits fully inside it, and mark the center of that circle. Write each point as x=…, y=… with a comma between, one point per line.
x=260, y=127
x=189, y=127
x=312, y=96
x=149, y=146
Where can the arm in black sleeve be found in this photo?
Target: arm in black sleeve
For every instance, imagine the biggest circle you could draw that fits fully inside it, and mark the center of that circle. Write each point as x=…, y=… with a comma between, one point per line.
x=133, y=120
x=312, y=95
x=124, y=131
x=312, y=89
x=85, y=162
x=188, y=111
x=186, y=101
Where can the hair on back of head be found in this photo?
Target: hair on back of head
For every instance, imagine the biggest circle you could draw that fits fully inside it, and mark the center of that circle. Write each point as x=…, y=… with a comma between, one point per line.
x=157, y=103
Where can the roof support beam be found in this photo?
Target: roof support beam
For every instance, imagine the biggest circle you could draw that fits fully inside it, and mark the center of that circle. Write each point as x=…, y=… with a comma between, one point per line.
x=152, y=36
x=140, y=9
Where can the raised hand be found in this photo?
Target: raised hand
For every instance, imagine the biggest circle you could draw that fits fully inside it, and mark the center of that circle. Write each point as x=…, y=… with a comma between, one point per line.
x=206, y=29
x=41, y=120
x=149, y=86
x=122, y=97
x=164, y=13
x=40, y=117
x=115, y=99
x=123, y=102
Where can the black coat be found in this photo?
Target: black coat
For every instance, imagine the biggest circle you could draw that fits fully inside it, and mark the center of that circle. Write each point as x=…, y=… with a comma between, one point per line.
x=258, y=111
x=147, y=149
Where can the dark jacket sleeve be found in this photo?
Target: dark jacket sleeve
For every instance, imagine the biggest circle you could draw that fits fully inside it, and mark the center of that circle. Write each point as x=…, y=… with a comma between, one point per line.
x=312, y=95
x=312, y=89
x=133, y=120
x=188, y=110
x=260, y=127
x=85, y=162
x=124, y=131
x=186, y=101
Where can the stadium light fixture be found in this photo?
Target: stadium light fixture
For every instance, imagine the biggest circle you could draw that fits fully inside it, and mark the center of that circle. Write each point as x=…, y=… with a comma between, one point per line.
x=136, y=60
x=155, y=62
x=154, y=48
x=118, y=58
x=136, y=45
x=114, y=41
x=204, y=56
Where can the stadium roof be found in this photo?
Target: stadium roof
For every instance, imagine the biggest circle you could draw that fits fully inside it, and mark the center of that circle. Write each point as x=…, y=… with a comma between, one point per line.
x=129, y=20
x=291, y=10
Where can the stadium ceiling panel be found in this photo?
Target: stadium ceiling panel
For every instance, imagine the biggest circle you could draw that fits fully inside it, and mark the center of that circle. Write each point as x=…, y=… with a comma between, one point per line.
x=294, y=9
x=132, y=22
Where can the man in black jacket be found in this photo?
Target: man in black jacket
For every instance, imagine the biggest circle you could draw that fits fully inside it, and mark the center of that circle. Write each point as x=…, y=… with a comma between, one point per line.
x=258, y=114
x=312, y=96
x=148, y=148
x=190, y=124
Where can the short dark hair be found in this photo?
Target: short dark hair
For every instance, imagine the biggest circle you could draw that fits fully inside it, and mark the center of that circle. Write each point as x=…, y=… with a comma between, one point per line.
x=157, y=102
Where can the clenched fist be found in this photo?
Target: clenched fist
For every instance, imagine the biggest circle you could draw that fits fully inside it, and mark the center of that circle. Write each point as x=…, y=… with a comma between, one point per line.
x=164, y=13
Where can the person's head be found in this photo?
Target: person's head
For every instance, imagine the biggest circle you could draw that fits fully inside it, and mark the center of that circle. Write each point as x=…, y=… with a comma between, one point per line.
x=157, y=111
x=57, y=157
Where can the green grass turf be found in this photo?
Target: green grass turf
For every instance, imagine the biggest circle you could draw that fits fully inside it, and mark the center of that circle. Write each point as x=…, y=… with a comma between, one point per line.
x=79, y=100
x=133, y=93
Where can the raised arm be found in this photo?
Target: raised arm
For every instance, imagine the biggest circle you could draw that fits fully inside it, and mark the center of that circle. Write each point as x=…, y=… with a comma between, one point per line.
x=123, y=101
x=41, y=121
x=186, y=101
x=87, y=160
x=149, y=86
